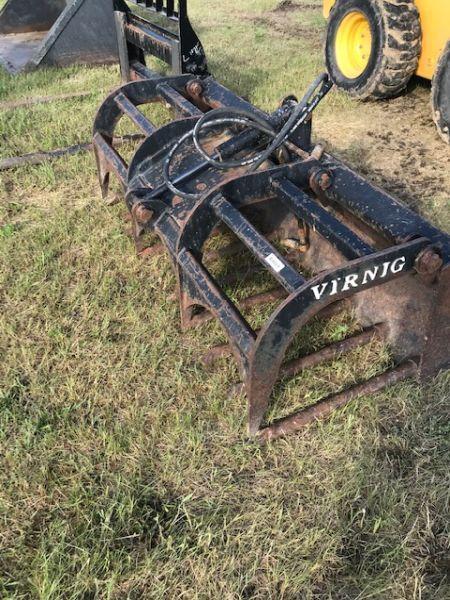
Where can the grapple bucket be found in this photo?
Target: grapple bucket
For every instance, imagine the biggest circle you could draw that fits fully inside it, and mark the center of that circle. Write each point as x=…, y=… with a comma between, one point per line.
x=37, y=33
x=159, y=28
x=326, y=239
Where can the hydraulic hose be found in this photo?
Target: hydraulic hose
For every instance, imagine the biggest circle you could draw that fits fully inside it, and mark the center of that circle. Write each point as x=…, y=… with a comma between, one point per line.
x=224, y=117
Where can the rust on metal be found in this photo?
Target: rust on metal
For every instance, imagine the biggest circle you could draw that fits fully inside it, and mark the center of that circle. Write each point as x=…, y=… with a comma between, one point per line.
x=428, y=264
x=150, y=251
x=195, y=88
x=142, y=214
x=224, y=350
x=325, y=407
x=332, y=351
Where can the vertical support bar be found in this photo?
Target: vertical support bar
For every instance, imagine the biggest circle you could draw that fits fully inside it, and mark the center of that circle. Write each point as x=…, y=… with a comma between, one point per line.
x=124, y=59
x=170, y=8
x=182, y=9
x=176, y=58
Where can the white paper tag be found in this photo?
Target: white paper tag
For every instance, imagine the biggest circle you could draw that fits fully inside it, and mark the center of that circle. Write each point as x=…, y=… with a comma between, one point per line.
x=274, y=262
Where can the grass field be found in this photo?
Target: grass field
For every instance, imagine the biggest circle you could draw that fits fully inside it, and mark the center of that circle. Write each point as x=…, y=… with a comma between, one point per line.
x=125, y=471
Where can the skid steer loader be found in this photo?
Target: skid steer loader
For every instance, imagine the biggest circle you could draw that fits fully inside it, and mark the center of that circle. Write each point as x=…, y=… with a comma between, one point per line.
x=373, y=48
x=227, y=181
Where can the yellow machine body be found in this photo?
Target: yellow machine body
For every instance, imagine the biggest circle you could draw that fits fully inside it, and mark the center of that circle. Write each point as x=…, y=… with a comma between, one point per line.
x=435, y=22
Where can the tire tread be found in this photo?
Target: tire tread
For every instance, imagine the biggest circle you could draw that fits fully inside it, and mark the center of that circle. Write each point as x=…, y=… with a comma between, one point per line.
x=401, y=51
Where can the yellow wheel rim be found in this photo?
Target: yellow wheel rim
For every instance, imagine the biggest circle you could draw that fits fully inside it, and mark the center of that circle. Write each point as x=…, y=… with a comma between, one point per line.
x=353, y=44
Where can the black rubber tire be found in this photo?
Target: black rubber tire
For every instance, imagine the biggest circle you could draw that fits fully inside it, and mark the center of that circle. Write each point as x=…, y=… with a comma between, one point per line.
x=396, y=47
x=440, y=95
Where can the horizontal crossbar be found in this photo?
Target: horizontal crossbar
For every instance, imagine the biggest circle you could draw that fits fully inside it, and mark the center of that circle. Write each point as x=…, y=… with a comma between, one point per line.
x=129, y=109
x=325, y=407
x=257, y=244
x=177, y=101
x=333, y=230
x=151, y=39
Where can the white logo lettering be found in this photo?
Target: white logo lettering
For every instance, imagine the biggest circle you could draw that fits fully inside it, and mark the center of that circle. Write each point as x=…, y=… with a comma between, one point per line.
x=334, y=286
x=355, y=280
x=318, y=290
x=385, y=269
x=370, y=274
x=350, y=280
x=398, y=264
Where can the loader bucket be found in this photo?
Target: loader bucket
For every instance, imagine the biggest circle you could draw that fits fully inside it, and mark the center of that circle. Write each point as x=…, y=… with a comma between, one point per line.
x=36, y=33
x=322, y=238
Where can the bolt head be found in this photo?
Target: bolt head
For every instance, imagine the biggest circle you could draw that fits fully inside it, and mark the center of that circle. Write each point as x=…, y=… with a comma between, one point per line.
x=325, y=181
x=195, y=88
x=142, y=214
x=428, y=262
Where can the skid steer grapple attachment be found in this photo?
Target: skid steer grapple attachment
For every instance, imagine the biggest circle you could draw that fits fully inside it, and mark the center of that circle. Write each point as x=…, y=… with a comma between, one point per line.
x=36, y=33
x=161, y=29
x=326, y=238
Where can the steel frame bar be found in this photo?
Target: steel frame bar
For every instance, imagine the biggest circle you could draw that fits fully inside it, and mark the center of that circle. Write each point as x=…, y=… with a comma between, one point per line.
x=324, y=408
x=129, y=109
x=341, y=236
x=138, y=36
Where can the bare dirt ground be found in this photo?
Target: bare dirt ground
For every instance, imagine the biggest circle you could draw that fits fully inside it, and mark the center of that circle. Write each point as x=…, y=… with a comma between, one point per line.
x=410, y=161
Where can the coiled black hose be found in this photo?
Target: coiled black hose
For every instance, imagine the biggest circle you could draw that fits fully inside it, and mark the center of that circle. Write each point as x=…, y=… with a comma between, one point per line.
x=235, y=116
